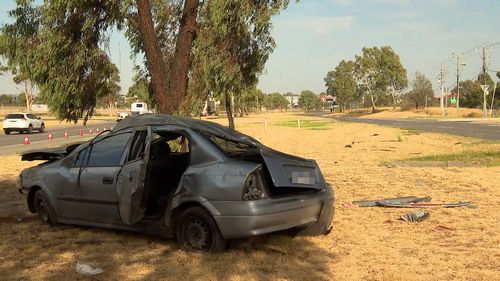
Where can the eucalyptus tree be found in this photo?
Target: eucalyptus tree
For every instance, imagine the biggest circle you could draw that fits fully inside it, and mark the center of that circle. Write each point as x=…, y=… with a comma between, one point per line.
x=341, y=83
x=18, y=44
x=379, y=72
x=234, y=41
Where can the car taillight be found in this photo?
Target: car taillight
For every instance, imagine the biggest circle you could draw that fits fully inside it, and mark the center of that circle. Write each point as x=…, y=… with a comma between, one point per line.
x=254, y=187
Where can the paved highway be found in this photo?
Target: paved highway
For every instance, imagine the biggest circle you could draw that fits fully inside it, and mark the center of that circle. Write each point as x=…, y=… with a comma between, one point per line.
x=14, y=143
x=489, y=131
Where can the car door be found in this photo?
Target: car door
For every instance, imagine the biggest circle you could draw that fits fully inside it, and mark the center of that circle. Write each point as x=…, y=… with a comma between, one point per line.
x=34, y=121
x=96, y=192
x=131, y=183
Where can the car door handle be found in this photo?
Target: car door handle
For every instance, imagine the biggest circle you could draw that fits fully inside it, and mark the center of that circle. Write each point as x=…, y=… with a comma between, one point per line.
x=107, y=180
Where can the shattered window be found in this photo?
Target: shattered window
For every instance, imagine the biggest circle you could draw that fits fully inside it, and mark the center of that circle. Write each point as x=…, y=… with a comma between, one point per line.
x=231, y=147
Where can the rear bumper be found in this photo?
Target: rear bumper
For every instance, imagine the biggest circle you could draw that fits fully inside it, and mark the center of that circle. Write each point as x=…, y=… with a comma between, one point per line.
x=241, y=219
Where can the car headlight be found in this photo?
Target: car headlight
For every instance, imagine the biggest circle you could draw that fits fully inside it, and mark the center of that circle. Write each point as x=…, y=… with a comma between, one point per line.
x=254, y=187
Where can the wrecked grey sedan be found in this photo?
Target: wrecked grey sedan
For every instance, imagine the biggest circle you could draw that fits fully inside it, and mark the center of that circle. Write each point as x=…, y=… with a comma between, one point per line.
x=178, y=177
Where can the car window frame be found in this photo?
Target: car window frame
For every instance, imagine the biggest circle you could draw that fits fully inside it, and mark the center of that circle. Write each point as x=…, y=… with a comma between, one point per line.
x=85, y=163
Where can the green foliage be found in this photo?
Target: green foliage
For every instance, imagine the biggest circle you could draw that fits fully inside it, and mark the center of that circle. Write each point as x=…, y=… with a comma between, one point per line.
x=379, y=74
x=275, y=101
x=471, y=94
x=309, y=100
x=341, y=83
x=422, y=91
x=140, y=90
x=234, y=42
x=57, y=46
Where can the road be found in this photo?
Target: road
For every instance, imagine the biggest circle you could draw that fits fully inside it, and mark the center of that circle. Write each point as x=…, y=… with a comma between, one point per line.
x=489, y=131
x=14, y=143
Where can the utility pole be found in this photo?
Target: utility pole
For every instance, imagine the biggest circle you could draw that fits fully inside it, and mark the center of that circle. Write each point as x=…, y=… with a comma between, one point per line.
x=484, y=86
x=458, y=81
x=441, y=82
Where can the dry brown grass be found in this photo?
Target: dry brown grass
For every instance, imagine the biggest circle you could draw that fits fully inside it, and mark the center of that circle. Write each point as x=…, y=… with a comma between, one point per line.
x=365, y=244
x=432, y=112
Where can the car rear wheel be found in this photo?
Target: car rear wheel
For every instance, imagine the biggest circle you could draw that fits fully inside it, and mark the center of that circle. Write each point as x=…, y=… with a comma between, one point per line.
x=30, y=129
x=7, y=132
x=197, y=231
x=44, y=209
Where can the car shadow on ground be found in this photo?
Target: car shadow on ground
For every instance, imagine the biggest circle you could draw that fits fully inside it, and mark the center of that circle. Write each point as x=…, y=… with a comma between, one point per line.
x=33, y=250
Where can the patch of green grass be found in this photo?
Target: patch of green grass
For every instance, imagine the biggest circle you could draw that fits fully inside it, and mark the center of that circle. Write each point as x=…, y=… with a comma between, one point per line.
x=487, y=158
x=305, y=124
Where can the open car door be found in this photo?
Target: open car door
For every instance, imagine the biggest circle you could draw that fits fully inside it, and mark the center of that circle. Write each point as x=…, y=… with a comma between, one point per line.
x=131, y=183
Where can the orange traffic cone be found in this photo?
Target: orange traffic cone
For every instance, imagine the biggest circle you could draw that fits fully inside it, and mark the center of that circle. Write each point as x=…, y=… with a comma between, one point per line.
x=65, y=135
x=26, y=140
x=81, y=133
x=111, y=129
x=97, y=131
x=104, y=129
x=90, y=131
x=50, y=136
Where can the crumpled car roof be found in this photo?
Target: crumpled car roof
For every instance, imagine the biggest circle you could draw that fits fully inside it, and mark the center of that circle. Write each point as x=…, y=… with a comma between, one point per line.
x=195, y=124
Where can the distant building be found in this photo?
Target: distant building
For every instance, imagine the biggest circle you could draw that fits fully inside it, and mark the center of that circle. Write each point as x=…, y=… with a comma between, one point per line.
x=293, y=100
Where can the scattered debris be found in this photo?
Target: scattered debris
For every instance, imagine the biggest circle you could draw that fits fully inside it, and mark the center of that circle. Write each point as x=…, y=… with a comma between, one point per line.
x=426, y=205
x=87, y=269
x=408, y=199
x=443, y=228
x=458, y=143
x=346, y=205
x=388, y=222
x=415, y=216
x=374, y=135
x=348, y=145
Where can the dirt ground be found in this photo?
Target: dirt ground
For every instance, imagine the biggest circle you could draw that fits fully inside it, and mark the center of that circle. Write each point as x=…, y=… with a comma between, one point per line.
x=431, y=112
x=365, y=244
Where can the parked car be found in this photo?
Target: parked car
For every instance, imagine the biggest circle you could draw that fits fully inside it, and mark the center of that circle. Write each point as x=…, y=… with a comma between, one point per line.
x=22, y=122
x=178, y=177
x=122, y=115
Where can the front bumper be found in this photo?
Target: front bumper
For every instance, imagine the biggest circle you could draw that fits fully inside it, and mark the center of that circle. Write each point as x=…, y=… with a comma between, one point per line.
x=241, y=219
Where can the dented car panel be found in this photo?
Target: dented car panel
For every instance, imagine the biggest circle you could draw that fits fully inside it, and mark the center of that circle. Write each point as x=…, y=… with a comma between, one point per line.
x=150, y=168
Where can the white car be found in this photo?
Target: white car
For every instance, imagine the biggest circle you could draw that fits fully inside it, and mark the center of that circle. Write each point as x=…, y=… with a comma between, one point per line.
x=22, y=122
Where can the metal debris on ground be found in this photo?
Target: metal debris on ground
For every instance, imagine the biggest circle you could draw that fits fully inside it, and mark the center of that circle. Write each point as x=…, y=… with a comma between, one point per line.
x=415, y=216
x=399, y=200
x=427, y=205
x=87, y=269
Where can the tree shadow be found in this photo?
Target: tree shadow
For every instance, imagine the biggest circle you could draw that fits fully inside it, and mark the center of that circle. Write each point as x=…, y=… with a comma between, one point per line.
x=33, y=250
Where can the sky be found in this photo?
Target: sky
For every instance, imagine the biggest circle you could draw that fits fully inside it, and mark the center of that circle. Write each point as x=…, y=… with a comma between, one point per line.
x=313, y=36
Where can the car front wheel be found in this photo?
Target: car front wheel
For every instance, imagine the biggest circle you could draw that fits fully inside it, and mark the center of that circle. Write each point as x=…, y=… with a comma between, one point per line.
x=42, y=128
x=44, y=209
x=7, y=132
x=197, y=231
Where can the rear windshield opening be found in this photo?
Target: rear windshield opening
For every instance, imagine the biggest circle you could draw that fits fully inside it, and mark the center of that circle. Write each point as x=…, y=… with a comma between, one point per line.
x=14, y=116
x=230, y=147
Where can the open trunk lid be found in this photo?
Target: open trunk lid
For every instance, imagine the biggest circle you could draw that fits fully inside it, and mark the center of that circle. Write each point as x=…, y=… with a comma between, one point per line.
x=291, y=171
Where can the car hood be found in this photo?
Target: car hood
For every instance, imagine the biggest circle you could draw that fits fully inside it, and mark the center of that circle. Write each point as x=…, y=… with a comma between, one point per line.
x=49, y=154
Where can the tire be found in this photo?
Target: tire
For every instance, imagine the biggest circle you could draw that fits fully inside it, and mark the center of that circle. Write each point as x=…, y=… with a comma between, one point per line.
x=7, y=132
x=197, y=231
x=42, y=128
x=44, y=209
x=30, y=129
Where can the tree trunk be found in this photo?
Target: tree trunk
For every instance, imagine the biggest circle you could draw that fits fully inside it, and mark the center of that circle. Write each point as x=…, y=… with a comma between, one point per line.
x=373, y=103
x=229, y=111
x=27, y=96
x=154, y=59
x=180, y=66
